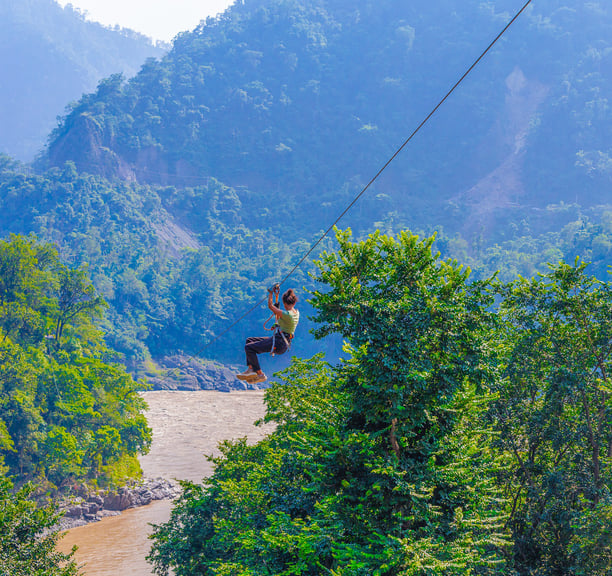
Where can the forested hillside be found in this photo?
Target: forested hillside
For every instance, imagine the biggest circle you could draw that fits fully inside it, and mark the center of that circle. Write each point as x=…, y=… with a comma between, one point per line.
x=297, y=104
x=49, y=56
x=67, y=411
x=178, y=265
x=70, y=415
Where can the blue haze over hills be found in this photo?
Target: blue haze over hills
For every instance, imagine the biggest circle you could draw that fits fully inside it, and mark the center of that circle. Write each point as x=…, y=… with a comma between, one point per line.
x=49, y=56
x=194, y=184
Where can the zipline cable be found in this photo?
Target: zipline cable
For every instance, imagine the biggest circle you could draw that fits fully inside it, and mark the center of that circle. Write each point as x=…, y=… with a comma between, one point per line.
x=397, y=152
x=376, y=176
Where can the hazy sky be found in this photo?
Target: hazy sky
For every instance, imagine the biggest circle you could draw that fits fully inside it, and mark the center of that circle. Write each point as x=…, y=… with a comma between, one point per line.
x=159, y=19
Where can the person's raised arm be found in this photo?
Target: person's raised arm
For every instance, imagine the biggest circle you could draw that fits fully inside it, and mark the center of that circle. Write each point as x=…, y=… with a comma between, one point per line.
x=274, y=309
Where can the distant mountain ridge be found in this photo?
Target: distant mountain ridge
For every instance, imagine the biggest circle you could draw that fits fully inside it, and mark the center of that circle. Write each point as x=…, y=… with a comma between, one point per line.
x=301, y=102
x=49, y=56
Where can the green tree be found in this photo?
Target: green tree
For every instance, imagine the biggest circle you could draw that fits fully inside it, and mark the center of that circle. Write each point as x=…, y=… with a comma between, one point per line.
x=62, y=457
x=418, y=335
x=28, y=543
x=25, y=273
x=553, y=414
x=77, y=298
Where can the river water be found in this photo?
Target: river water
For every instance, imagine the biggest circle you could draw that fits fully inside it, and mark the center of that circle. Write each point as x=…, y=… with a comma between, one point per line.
x=186, y=427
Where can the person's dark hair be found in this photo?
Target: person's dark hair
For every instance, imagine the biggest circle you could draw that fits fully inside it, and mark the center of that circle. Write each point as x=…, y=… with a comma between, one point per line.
x=290, y=297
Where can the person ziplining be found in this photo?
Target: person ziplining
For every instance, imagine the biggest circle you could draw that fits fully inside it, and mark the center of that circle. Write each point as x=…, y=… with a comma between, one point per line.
x=280, y=343
x=283, y=331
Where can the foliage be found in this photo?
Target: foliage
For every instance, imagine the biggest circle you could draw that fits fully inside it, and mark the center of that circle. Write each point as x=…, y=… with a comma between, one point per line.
x=553, y=415
x=418, y=337
x=28, y=545
x=65, y=413
x=466, y=432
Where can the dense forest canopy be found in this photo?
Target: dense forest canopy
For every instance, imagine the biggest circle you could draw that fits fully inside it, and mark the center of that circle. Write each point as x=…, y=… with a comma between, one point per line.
x=49, y=56
x=296, y=104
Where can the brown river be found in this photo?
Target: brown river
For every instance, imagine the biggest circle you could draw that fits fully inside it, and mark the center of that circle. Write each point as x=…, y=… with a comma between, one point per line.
x=187, y=426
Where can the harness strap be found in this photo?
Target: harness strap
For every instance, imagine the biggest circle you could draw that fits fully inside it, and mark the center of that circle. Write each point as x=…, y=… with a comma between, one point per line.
x=277, y=330
x=275, y=327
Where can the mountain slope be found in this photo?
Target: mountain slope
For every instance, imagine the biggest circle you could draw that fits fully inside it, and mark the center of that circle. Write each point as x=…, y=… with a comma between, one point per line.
x=302, y=102
x=49, y=56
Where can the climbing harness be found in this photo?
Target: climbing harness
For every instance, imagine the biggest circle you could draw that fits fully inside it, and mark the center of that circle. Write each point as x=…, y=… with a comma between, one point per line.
x=277, y=332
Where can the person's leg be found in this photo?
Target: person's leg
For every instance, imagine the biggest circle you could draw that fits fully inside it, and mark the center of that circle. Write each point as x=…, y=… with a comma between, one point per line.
x=257, y=345
x=251, y=358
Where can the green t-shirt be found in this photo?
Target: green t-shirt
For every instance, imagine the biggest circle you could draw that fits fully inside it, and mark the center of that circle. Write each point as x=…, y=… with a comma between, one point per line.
x=289, y=321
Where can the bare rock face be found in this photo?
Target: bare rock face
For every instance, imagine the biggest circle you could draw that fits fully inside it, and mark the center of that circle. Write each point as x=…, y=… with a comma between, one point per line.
x=118, y=502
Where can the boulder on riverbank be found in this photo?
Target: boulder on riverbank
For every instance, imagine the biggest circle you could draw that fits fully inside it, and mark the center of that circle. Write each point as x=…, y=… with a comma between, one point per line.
x=180, y=372
x=81, y=510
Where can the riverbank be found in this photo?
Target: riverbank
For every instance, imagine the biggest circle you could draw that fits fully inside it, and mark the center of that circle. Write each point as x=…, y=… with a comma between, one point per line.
x=84, y=508
x=87, y=508
x=187, y=373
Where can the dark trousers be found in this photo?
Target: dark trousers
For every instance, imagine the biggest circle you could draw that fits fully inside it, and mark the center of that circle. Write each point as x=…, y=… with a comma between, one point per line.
x=260, y=345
